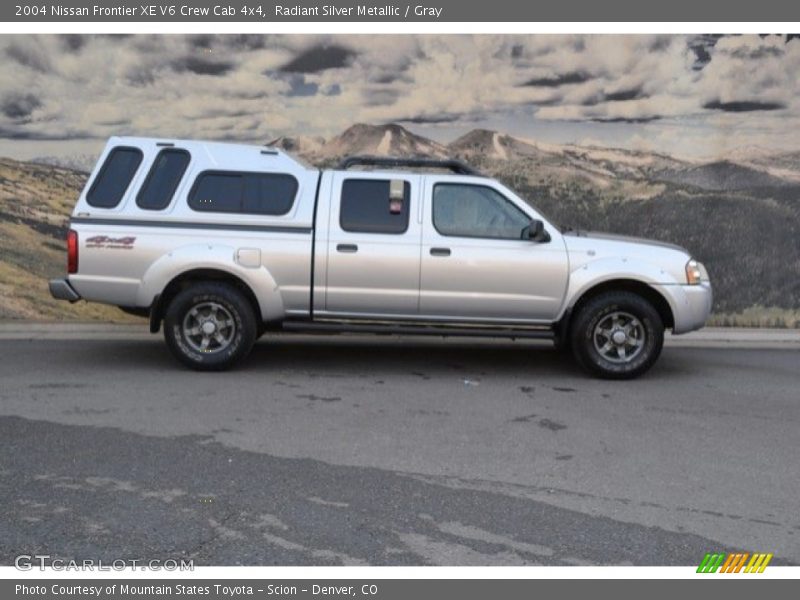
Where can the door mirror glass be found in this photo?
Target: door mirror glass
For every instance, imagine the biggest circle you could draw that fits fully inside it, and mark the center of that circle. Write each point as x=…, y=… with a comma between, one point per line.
x=536, y=232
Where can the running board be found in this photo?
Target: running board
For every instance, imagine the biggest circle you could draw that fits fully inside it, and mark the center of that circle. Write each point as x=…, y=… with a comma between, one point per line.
x=417, y=329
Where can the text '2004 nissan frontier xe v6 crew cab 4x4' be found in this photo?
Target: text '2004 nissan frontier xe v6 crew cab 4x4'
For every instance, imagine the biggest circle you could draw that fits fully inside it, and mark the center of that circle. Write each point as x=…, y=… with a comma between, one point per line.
x=225, y=242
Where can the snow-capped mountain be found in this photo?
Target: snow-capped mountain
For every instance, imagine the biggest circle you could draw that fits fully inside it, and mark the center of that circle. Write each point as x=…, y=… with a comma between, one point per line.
x=484, y=143
x=303, y=145
x=382, y=140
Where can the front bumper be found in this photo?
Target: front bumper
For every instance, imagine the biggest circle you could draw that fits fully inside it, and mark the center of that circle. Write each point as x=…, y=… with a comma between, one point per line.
x=60, y=289
x=691, y=305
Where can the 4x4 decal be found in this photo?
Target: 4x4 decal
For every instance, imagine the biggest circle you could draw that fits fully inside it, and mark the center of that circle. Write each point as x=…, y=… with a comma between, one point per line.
x=104, y=241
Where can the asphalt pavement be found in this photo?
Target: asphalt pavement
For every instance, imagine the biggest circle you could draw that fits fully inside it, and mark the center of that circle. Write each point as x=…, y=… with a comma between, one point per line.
x=394, y=450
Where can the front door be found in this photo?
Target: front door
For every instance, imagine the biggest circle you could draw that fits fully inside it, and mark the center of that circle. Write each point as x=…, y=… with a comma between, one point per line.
x=477, y=263
x=374, y=245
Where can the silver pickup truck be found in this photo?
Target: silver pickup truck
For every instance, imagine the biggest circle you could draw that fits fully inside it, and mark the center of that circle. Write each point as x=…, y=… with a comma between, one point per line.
x=225, y=242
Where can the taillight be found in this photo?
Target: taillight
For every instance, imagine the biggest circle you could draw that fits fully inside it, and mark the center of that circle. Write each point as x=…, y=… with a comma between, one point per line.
x=72, y=251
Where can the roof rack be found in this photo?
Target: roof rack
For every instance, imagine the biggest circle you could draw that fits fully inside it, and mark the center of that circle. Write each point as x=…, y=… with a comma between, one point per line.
x=456, y=166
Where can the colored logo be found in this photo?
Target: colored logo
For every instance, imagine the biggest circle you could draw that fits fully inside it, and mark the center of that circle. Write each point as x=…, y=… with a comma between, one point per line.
x=734, y=562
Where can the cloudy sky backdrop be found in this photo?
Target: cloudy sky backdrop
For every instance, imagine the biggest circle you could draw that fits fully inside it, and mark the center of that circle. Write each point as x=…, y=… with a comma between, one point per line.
x=689, y=96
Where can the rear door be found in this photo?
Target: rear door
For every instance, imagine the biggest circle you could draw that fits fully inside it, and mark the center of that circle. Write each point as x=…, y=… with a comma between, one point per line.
x=373, y=247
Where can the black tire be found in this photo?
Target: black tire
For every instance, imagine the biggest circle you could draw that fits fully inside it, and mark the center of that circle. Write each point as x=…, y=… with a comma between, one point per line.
x=598, y=353
x=233, y=322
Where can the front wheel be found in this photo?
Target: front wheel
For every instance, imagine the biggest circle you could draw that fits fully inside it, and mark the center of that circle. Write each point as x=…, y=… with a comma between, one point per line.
x=210, y=326
x=617, y=335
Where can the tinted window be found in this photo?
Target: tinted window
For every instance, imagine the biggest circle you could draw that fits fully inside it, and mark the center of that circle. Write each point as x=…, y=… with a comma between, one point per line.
x=268, y=194
x=219, y=192
x=476, y=211
x=250, y=193
x=366, y=208
x=114, y=177
x=163, y=179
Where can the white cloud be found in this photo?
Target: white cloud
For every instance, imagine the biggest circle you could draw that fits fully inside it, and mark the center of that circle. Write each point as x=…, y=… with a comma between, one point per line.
x=233, y=87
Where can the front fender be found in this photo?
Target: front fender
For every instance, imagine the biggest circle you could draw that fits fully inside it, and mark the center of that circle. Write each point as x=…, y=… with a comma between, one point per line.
x=211, y=256
x=596, y=272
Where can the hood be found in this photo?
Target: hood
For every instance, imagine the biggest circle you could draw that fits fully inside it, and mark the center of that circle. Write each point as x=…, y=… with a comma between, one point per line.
x=599, y=235
x=666, y=262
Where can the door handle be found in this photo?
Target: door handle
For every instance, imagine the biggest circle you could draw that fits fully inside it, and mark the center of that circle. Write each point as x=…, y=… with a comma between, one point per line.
x=347, y=248
x=440, y=251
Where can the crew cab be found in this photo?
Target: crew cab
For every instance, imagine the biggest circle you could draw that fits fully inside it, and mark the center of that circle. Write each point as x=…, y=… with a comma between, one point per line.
x=224, y=242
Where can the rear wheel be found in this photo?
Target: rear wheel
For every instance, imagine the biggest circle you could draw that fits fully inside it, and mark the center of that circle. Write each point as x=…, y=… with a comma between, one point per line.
x=210, y=326
x=617, y=335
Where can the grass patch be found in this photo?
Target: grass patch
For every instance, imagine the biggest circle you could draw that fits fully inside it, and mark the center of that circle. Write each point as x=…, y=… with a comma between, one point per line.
x=758, y=316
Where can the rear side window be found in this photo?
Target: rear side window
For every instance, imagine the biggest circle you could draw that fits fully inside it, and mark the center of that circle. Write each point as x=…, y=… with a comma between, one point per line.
x=114, y=177
x=366, y=207
x=247, y=193
x=163, y=179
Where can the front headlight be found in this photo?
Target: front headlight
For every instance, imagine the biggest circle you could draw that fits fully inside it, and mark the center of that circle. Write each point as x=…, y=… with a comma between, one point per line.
x=695, y=272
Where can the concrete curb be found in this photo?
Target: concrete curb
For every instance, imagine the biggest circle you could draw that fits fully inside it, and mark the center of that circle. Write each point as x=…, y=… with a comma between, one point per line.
x=738, y=337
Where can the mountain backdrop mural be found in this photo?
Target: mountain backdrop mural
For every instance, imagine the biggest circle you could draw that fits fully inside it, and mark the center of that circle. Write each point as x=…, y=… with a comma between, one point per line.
x=690, y=139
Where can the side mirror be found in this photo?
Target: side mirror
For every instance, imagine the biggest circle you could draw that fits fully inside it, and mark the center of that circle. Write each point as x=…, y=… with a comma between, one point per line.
x=536, y=232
